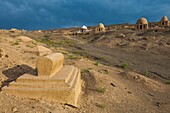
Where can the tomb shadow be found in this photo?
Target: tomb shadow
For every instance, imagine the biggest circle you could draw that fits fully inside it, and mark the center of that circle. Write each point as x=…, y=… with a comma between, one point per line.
x=89, y=81
x=13, y=73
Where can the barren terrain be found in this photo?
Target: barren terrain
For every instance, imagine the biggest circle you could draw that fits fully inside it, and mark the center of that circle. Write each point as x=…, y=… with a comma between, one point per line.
x=122, y=71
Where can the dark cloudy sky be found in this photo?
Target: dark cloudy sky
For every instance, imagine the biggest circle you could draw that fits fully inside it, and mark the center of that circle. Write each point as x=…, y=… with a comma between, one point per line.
x=49, y=14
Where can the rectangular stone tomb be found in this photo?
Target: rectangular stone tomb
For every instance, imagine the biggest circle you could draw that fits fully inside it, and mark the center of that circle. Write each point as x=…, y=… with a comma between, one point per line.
x=54, y=82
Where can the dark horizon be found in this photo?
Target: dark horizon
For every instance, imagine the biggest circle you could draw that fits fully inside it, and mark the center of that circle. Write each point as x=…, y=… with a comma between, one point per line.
x=45, y=14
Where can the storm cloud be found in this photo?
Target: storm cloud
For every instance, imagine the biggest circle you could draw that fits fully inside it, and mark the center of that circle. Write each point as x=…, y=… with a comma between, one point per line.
x=49, y=14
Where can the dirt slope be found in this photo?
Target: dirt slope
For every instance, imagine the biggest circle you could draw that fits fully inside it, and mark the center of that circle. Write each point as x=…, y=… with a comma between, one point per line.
x=106, y=89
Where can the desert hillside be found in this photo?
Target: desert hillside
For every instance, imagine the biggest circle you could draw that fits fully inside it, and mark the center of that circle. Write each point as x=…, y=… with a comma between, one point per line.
x=122, y=70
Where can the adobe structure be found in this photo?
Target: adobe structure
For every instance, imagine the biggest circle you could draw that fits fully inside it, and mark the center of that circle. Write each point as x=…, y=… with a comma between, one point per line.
x=84, y=29
x=164, y=22
x=54, y=82
x=141, y=25
x=100, y=28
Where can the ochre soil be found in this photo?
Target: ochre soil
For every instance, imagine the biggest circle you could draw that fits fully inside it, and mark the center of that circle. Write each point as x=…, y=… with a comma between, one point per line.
x=107, y=87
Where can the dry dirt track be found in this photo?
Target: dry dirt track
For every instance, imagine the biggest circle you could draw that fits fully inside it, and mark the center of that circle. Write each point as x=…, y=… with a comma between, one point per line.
x=152, y=63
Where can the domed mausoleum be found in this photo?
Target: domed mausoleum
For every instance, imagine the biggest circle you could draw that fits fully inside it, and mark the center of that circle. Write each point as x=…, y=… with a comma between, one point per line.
x=100, y=28
x=84, y=29
x=142, y=24
x=164, y=22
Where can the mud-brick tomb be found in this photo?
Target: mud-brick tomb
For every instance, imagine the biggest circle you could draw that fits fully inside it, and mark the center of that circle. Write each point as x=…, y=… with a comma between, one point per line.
x=54, y=82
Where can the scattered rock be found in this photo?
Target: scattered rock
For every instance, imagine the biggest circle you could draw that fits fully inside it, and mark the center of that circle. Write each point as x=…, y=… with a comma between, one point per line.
x=122, y=35
x=113, y=85
x=151, y=94
x=126, y=27
x=103, y=71
x=6, y=56
x=2, y=53
x=158, y=104
x=14, y=109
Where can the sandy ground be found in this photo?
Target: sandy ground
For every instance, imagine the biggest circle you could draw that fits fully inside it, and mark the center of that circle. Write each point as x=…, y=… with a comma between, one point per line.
x=106, y=88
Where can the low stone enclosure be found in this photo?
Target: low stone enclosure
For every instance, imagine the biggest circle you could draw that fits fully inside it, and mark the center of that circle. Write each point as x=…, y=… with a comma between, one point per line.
x=54, y=82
